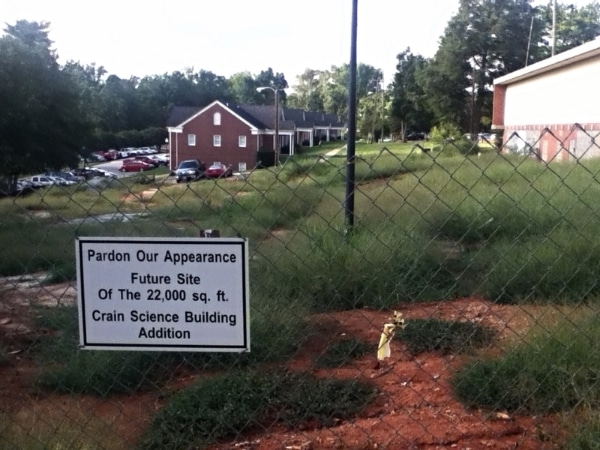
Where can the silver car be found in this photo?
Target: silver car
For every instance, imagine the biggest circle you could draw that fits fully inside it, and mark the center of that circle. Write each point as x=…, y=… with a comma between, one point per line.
x=189, y=170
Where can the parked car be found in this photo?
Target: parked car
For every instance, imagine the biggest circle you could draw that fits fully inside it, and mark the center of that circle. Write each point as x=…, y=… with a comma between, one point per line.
x=20, y=187
x=111, y=155
x=146, y=150
x=39, y=181
x=60, y=181
x=92, y=172
x=134, y=165
x=102, y=173
x=218, y=170
x=68, y=176
x=416, y=136
x=97, y=156
x=160, y=158
x=86, y=173
x=147, y=160
x=190, y=170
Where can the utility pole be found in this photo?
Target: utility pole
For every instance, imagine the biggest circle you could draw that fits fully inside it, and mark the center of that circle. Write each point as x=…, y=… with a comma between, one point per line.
x=553, y=26
x=382, y=110
x=351, y=138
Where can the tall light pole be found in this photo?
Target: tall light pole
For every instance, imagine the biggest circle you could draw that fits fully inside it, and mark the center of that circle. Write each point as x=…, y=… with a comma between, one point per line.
x=276, y=135
x=351, y=138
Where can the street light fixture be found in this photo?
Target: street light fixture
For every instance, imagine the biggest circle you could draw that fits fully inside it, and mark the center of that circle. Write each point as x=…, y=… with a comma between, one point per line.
x=276, y=135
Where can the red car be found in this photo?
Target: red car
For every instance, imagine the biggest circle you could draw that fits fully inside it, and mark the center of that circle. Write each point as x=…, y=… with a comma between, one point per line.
x=134, y=165
x=218, y=170
x=147, y=160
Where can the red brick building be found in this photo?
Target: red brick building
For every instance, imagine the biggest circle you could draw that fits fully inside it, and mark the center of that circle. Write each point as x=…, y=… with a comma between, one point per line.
x=550, y=109
x=234, y=134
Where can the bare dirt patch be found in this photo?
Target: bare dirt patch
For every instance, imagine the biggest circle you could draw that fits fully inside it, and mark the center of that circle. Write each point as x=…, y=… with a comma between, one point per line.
x=415, y=408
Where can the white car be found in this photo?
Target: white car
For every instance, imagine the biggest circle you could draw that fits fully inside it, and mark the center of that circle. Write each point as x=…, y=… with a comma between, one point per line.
x=39, y=181
x=160, y=158
x=61, y=181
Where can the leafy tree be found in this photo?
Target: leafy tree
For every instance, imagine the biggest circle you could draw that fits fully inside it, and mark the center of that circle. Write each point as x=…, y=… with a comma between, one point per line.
x=484, y=40
x=209, y=87
x=409, y=110
x=242, y=87
x=275, y=80
x=88, y=80
x=307, y=91
x=41, y=123
x=116, y=98
x=35, y=36
x=444, y=82
x=333, y=86
x=574, y=26
x=370, y=120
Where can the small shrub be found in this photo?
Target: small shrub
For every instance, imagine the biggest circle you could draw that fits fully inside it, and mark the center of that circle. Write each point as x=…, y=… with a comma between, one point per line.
x=63, y=271
x=234, y=403
x=557, y=370
x=427, y=335
x=103, y=373
x=341, y=352
x=276, y=335
x=444, y=132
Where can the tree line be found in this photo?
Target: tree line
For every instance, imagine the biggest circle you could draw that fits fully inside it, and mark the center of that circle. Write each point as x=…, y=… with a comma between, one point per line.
x=484, y=40
x=50, y=114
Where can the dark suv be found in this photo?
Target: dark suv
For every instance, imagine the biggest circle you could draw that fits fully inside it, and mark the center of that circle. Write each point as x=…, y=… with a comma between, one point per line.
x=190, y=170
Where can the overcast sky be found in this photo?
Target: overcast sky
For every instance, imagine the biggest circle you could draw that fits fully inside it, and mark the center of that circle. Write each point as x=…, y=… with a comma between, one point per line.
x=153, y=37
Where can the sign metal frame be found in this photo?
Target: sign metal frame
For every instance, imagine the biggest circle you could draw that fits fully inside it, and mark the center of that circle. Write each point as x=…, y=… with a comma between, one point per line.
x=219, y=316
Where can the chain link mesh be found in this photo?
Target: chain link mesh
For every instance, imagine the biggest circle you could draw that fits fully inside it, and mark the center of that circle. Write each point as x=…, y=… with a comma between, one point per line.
x=489, y=254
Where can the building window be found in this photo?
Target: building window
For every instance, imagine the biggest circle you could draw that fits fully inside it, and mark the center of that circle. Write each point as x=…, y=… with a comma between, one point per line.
x=241, y=141
x=217, y=118
x=242, y=167
x=217, y=140
x=191, y=139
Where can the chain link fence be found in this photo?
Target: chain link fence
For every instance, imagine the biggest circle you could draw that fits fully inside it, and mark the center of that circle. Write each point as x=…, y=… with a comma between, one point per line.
x=459, y=312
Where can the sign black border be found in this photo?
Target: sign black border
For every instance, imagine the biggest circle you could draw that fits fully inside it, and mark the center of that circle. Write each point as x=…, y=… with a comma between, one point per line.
x=84, y=344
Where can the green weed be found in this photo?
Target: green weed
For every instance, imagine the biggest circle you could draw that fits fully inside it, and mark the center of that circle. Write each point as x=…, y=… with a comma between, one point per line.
x=428, y=335
x=339, y=353
x=239, y=402
x=557, y=370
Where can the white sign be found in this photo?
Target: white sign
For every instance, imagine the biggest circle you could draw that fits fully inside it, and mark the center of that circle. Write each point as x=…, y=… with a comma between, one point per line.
x=186, y=294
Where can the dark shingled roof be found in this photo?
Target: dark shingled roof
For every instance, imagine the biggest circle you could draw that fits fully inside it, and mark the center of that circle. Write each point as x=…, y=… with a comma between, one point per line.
x=180, y=114
x=263, y=116
x=260, y=115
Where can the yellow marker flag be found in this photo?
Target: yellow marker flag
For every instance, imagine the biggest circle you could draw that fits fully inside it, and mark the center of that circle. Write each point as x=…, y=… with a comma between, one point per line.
x=389, y=329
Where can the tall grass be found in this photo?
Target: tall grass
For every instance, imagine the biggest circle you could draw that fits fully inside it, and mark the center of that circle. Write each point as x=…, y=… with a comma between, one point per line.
x=278, y=330
x=35, y=428
x=429, y=225
x=330, y=273
x=556, y=370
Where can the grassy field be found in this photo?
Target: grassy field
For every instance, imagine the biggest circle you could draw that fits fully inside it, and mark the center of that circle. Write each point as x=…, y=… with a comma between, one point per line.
x=429, y=225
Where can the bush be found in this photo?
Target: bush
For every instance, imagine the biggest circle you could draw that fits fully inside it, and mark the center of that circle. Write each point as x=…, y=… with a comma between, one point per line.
x=342, y=352
x=556, y=371
x=265, y=158
x=234, y=403
x=451, y=141
x=427, y=335
x=444, y=132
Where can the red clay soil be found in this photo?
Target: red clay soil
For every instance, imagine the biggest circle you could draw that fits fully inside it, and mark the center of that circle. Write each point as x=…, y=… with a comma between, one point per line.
x=415, y=408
